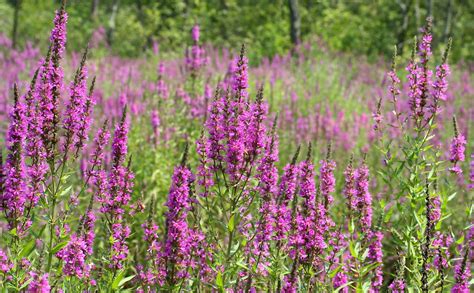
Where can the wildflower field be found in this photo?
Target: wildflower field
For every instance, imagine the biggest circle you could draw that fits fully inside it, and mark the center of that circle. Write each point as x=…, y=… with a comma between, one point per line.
x=204, y=171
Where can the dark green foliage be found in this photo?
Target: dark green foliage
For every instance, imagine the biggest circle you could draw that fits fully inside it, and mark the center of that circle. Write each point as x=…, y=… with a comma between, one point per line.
x=361, y=27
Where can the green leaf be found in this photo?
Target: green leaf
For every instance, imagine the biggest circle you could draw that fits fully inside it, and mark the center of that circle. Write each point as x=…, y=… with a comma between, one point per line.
x=460, y=240
x=452, y=196
x=231, y=224
x=125, y=280
x=388, y=215
x=59, y=246
x=27, y=249
x=65, y=191
x=343, y=286
x=117, y=280
x=352, y=250
x=13, y=232
x=220, y=281
x=334, y=272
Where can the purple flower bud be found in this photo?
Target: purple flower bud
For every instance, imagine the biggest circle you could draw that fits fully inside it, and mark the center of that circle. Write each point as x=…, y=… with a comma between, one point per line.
x=195, y=33
x=39, y=283
x=327, y=180
x=397, y=286
x=462, y=275
x=5, y=264
x=16, y=192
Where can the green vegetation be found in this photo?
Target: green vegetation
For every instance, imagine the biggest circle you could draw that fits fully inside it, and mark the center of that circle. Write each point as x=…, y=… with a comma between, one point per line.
x=362, y=27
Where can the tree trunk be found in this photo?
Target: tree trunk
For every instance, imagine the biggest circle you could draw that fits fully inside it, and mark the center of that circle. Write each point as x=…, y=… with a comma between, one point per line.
x=16, y=13
x=417, y=14
x=429, y=8
x=295, y=22
x=449, y=17
x=111, y=27
x=405, y=9
x=94, y=9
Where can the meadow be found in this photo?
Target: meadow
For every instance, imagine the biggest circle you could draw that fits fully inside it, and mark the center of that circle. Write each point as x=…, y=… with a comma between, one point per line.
x=310, y=171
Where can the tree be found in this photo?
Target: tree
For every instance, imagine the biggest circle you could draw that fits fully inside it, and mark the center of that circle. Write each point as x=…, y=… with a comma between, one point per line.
x=16, y=11
x=295, y=22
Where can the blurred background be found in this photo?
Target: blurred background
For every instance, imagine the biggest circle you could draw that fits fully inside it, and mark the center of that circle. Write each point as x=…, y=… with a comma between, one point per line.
x=130, y=28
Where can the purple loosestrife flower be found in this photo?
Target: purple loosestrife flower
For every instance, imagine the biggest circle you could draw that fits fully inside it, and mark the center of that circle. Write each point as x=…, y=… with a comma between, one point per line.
x=39, y=283
x=120, y=183
x=434, y=209
x=290, y=283
x=95, y=173
x=202, y=257
x=267, y=176
x=101, y=140
x=375, y=255
x=178, y=241
x=120, y=177
x=258, y=249
x=240, y=76
x=204, y=169
x=75, y=109
x=440, y=246
x=156, y=272
x=397, y=286
x=350, y=191
x=327, y=181
x=74, y=257
x=424, y=51
x=120, y=233
x=215, y=125
x=296, y=245
x=155, y=119
x=34, y=147
x=236, y=120
x=462, y=275
x=58, y=34
x=55, y=75
x=471, y=173
x=86, y=120
x=45, y=104
x=364, y=198
x=88, y=224
x=322, y=224
x=337, y=240
x=267, y=172
x=457, y=149
x=310, y=231
x=415, y=81
x=470, y=235
x=155, y=124
x=339, y=280
x=339, y=259
x=195, y=58
x=161, y=70
x=286, y=192
x=393, y=87
x=195, y=33
x=377, y=116
x=114, y=190
x=440, y=85
x=424, y=46
x=256, y=138
x=119, y=143
x=161, y=87
x=15, y=190
x=5, y=264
